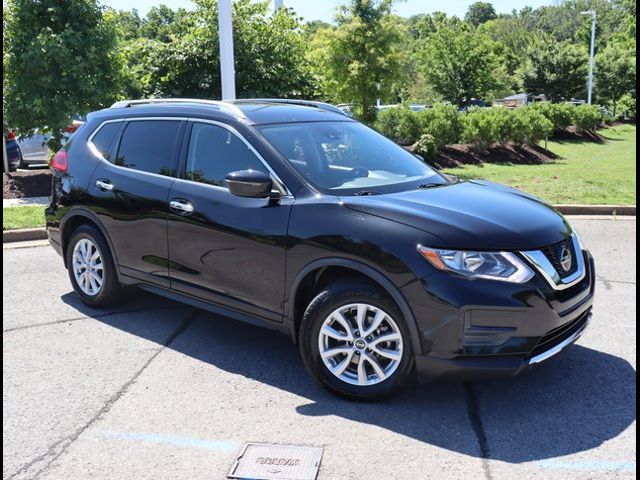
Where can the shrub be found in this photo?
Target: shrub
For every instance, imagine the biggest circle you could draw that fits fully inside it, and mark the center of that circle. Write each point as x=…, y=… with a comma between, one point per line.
x=523, y=126
x=399, y=124
x=627, y=107
x=479, y=129
x=530, y=126
x=559, y=114
x=587, y=117
x=426, y=147
x=443, y=122
x=502, y=121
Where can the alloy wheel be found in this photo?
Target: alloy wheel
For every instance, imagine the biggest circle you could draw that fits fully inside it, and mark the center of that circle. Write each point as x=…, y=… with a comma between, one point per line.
x=360, y=344
x=88, y=268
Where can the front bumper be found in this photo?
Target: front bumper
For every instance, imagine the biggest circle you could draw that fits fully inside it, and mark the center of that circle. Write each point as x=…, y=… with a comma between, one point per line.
x=481, y=367
x=480, y=329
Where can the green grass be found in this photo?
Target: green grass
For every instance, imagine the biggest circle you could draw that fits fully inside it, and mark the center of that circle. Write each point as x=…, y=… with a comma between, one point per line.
x=22, y=217
x=585, y=172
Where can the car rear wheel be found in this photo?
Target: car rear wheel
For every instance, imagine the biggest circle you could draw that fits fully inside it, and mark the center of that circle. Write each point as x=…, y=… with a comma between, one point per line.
x=91, y=268
x=354, y=341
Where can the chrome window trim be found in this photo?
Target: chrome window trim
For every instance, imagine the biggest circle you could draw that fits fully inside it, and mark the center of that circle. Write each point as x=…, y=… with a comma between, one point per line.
x=280, y=185
x=542, y=264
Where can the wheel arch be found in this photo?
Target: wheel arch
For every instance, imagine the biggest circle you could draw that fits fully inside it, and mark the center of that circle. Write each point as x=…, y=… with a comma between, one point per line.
x=313, y=272
x=74, y=219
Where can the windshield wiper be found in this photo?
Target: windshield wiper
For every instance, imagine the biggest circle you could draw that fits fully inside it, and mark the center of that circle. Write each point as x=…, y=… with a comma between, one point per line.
x=364, y=193
x=429, y=185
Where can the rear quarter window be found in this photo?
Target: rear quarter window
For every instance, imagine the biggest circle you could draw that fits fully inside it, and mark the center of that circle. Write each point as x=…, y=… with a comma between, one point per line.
x=148, y=146
x=103, y=139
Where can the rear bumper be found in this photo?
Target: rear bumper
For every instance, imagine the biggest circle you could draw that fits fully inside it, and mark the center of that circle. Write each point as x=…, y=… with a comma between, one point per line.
x=483, y=367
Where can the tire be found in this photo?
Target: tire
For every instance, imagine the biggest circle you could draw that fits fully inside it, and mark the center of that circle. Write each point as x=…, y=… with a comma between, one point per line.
x=109, y=291
x=348, y=298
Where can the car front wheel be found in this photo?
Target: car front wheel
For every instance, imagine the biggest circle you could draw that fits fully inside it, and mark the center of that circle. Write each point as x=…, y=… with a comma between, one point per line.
x=354, y=341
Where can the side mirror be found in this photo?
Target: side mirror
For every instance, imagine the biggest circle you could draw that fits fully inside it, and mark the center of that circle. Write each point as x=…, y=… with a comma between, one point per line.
x=249, y=183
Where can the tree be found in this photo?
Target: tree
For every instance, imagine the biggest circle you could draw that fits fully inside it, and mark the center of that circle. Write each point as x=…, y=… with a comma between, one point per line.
x=183, y=60
x=479, y=13
x=557, y=70
x=128, y=24
x=312, y=27
x=362, y=58
x=61, y=60
x=615, y=73
x=423, y=26
x=460, y=65
x=161, y=22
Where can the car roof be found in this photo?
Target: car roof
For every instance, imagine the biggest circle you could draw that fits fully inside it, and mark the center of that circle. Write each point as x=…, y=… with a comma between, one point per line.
x=255, y=111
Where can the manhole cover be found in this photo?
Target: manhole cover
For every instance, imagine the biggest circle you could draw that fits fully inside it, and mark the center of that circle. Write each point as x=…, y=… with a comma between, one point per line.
x=260, y=461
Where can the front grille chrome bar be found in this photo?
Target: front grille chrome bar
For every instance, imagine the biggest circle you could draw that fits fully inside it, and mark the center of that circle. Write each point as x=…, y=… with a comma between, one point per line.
x=542, y=264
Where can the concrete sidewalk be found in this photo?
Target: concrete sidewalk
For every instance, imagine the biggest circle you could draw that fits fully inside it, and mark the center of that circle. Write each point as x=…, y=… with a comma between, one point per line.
x=23, y=202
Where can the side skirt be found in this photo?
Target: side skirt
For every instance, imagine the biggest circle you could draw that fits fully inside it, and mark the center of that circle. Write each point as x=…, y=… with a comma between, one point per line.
x=213, y=308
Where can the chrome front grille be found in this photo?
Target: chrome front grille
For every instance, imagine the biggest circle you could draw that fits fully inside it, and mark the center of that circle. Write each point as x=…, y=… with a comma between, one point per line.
x=554, y=255
x=548, y=262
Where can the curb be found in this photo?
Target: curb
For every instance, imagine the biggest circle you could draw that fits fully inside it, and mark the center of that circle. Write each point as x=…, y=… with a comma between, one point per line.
x=24, y=235
x=571, y=209
x=622, y=210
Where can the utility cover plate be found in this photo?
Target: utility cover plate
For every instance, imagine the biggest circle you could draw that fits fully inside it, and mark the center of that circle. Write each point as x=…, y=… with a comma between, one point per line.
x=263, y=461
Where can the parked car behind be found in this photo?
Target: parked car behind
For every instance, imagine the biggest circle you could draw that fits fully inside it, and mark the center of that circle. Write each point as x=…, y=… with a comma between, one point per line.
x=34, y=149
x=14, y=156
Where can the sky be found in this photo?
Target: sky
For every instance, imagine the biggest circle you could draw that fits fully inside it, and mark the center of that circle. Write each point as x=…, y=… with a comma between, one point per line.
x=324, y=9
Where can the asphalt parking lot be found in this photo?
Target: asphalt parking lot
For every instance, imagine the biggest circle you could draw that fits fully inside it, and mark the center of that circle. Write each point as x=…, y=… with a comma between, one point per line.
x=154, y=389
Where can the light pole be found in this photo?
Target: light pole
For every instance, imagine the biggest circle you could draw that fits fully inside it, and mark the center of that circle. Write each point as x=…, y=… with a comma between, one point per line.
x=225, y=34
x=592, y=52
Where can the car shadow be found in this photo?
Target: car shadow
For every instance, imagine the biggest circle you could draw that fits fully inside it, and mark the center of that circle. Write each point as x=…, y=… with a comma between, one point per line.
x=570, y=404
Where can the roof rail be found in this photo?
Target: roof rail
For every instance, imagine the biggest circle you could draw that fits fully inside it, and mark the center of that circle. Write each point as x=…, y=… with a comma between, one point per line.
x=223, y=106
x=306, y=103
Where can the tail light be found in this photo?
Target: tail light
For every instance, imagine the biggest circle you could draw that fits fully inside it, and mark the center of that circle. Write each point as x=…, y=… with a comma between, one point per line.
x=59, y=161
x=11, y=135
x=75, y=125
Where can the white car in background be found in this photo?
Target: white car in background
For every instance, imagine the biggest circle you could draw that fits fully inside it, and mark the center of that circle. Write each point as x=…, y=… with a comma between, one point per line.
x=35, y=149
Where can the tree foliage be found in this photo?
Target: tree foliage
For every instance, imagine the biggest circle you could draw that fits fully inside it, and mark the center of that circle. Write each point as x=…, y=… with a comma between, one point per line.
x=557, y=70
x=65, y=58
x=362, y=57
x=616, y=73
x=479, y=13
x=460, y=64
x=61, y=59
x=177, y=54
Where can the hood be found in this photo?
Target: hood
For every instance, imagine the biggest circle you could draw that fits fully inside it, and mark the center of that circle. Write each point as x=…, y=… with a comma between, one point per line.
x=474, y=215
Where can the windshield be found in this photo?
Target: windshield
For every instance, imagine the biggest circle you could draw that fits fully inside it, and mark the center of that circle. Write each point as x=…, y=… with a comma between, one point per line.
x=348, y=157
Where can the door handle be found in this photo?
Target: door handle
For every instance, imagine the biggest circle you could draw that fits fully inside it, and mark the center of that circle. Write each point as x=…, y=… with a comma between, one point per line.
x=104, y=185
x=181, y=206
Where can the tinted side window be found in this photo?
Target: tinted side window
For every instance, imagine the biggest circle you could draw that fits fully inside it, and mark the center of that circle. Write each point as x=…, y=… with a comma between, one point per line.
x=148, y=146
x=105, y=137
x=215, y=152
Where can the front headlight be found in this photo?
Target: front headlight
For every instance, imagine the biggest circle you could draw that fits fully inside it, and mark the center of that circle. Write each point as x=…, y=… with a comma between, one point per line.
x=503, y=266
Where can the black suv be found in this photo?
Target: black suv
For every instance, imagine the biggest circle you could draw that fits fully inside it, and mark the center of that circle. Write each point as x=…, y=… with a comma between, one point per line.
x=293, y=216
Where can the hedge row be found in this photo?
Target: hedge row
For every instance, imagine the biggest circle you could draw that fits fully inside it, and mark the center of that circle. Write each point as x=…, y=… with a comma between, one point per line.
x=445, y=125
